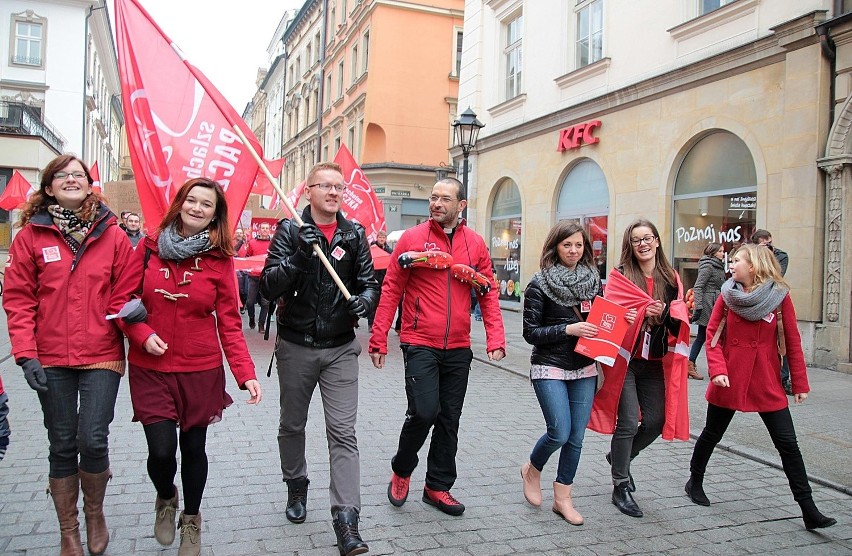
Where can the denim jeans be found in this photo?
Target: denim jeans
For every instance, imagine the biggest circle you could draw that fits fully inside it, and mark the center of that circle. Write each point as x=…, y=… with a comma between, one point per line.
x=254, y=298
x=566, y=406
x=700, y=338
x=82, y=430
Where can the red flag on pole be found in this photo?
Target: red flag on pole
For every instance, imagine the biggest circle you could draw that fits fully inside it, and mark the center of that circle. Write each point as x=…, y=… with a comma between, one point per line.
x=96, y=178
x=18, y=190
x=359, y=201
x=262, y=186
x=293, y=197
x=179, y=126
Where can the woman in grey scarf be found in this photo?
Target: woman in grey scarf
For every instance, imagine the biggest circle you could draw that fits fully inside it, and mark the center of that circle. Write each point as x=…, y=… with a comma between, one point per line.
x=752, y=325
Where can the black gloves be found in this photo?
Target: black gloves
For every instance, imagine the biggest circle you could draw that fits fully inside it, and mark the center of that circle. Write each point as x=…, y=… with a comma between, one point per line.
x=34, y=373
x=356, y=307
x=309, y=235
x=137, y=315
x=695, y=316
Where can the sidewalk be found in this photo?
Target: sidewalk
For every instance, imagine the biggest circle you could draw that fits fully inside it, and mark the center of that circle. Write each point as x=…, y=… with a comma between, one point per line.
x=823, y=423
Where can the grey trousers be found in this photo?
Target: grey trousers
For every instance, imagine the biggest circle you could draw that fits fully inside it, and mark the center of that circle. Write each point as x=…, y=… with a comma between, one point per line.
x=300, y=369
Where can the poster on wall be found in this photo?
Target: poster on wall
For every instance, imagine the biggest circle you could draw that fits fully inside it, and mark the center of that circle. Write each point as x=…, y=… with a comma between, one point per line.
x=506, y=257
x=258, y=220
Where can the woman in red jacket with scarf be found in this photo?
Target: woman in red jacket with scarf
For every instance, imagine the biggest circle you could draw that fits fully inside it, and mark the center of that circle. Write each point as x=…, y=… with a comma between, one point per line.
x=62, y=280
x=745, y=371
x=186, y=274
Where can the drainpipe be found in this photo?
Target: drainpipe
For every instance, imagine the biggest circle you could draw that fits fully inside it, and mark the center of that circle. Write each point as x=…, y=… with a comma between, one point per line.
x=829, y=50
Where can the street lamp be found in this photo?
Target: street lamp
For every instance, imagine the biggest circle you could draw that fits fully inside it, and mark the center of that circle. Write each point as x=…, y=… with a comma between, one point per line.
x=467, y=132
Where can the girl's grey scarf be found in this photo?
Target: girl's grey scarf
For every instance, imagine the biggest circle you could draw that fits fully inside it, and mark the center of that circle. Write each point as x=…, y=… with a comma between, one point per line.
x=757, y=303
x=173, y=247
x=569, y=287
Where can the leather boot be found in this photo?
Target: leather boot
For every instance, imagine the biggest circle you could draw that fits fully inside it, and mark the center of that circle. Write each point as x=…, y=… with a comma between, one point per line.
x=165, y=511
x=532, y=483
x=695, y=489
x=349, y=540
x=65, y=492
x=563, y=504
x=623, y=500
x=692, y=372
x=190, y=535
x=94, y=486
x=297, y=499
x=812, y=517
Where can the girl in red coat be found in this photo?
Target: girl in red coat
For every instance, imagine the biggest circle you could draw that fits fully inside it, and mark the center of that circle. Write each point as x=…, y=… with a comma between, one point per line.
x=62, y=280
x=745, y=369
x=186, y=274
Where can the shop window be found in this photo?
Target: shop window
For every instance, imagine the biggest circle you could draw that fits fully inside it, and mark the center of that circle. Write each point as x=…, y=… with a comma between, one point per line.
x=506, y=240
x=715, y=200
x=584, y=199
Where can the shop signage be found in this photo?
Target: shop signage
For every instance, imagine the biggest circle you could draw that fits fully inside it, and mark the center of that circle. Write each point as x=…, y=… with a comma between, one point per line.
x=743, y=202
x=578, y=135
x=397, y=193
x=708, y=234
x=379, y=190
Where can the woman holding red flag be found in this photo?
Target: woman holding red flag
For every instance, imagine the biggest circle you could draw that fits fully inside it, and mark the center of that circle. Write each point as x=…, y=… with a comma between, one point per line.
x=651, y=383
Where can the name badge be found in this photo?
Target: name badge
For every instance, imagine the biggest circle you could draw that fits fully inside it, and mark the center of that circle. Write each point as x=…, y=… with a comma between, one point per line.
x=769, y=318
x=646, y=345
x=51, y=254
x=585, y=306
x=338, y=253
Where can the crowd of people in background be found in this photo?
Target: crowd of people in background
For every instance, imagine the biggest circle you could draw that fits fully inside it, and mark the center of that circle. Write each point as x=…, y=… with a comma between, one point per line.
x=111, y=279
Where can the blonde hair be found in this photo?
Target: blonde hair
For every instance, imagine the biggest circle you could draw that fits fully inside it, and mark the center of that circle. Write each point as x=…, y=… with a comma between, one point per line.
x=764, y=263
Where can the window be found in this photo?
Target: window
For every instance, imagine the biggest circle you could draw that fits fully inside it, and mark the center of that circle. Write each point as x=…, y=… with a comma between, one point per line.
x=707, y=6
x=298, y=69
x=351, y=140
x=331, y=25
x=365, y=51
x=340, y=79
x=308, y=57
x=328, y=90
x=28, y=43
x=317, y=47
x=590, y=33
x=353, y=63
x=342, y=12
x=459, y=39
x=512, y=51
x=337, y=144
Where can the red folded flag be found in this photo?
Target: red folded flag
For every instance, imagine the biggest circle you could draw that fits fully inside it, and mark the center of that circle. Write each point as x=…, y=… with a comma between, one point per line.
x=359, y=201
x=262, y=186
x=17, y=191
x=179, y=126
x=96, y=178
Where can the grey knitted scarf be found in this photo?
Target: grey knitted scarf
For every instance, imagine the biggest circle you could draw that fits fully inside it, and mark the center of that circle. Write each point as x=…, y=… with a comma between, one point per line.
x=173, y=247
x=757, y=303
x=569, y=287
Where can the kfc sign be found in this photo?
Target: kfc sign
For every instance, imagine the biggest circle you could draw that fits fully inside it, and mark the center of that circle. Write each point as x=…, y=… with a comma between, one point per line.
x=578, y=135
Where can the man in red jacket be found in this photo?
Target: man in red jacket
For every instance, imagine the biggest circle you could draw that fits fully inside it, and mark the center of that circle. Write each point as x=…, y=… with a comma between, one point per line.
x=435, y=341
x=258, y=246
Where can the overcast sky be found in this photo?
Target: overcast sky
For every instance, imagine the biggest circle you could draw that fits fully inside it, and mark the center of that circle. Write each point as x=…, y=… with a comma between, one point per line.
x=225, y=39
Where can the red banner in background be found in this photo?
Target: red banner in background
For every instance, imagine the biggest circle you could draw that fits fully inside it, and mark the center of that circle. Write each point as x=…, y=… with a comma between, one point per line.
x=359, y=201
x=96, y=178
x=262, y=186
x=179, y=126
x=17, y=191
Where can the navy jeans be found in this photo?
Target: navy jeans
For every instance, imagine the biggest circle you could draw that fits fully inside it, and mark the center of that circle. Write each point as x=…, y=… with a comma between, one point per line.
x=78, y=430
x=566, y=406
x=700, y=338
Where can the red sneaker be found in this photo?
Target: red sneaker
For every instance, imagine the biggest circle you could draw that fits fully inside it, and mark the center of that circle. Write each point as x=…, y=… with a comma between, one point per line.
x=398, y=489
x=443, y=500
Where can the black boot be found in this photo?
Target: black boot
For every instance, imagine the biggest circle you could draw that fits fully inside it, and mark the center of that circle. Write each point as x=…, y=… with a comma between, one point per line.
x=812, y=517
x=695, y=489
x=623, y=500
x=297, y=499
x=349, y=540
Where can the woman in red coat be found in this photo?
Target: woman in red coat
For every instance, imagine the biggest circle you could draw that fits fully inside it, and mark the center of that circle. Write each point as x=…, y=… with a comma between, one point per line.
x=62, y=280
x=186, y=275
x=745, y=369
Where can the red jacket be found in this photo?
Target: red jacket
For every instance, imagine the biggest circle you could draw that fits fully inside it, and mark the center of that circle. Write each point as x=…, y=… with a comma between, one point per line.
x=257, y=246
x=56, y=303
x=436, y=306
x=187, y=324
x=748, y=353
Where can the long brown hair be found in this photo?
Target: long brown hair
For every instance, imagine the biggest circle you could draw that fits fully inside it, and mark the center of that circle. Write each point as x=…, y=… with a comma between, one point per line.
x=220, y=230
x=40, y=200
x=663, y=274
x=558, y=233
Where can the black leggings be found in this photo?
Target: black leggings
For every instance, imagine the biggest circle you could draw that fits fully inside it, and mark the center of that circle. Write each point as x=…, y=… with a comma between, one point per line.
x=162, y=440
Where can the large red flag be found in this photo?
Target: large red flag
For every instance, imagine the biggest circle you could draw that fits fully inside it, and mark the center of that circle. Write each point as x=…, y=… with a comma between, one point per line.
x=360, y=202
x=96, y=178
x=179, y=126
x=262, y=185
x=18, y=190
x=293, y=197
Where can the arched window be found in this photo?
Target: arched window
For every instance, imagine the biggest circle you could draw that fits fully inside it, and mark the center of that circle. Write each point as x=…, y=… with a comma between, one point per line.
x=584, y=198
x=506, y=240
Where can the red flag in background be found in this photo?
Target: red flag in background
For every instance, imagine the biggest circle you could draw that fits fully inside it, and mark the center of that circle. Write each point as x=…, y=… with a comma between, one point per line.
x=96, y=178
x=293, y=197
x=359, y=201
x=179, y=126
x=17, y=191
x=263, y=186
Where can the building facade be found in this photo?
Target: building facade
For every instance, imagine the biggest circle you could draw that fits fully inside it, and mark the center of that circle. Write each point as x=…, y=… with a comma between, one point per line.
x=706, y=117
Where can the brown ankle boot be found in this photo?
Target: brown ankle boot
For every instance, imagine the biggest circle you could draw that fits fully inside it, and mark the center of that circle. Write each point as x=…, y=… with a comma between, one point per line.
x=564, y=505
x=94, y=489
x=692, y=371
x=532, y=483
x=190, y=534
x=65, y=492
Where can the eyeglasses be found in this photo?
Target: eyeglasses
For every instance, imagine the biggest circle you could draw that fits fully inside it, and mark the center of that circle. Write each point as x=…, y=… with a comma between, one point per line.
x=648, y=240
x=339, y=187
x=63, y=175
x=445, y=199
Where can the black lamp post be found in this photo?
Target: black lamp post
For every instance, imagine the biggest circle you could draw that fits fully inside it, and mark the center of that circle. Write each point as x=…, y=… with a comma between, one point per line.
x=466, y=132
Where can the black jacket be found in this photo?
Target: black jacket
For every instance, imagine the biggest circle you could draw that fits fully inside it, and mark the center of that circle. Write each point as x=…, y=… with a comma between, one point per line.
x=314, y=311
x=544, y=329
